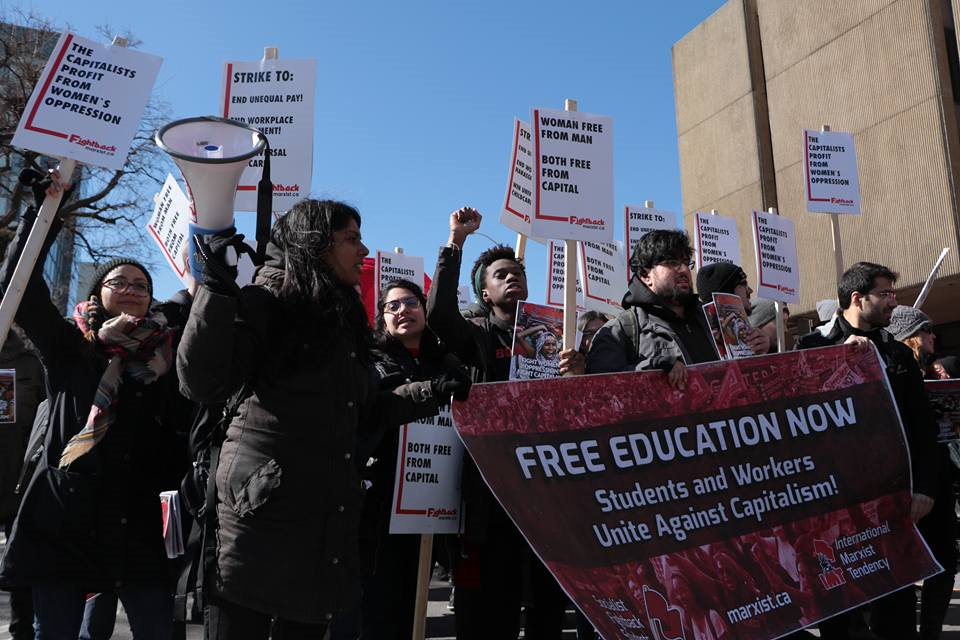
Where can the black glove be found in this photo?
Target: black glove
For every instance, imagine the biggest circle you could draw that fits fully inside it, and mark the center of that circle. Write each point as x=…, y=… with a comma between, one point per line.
x=94, y=315
x=219, y=276
x=455, y=381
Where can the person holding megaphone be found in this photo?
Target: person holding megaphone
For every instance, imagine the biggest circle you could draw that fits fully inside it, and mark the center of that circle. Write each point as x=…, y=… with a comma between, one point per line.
x=294, y=350
x=90, y=517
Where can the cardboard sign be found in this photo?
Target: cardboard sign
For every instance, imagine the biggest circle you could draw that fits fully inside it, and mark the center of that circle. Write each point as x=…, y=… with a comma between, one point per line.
x=518, y=201
x=573, y=175
x=774, y=493
x=716, y=239
x=8, y=396
x=168, y=225
x=830, y=169
x=426, y=490
x=397, y=266
x=775, y=250
x=944, y=396
x=734, y=325
x=555, y=277
x=537, y=342
x=277, y=97
x=87, y=102
x=638, y=221
x=602, y=269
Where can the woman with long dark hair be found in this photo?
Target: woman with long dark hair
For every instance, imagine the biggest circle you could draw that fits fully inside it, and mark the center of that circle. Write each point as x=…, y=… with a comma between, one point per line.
x=294, y=349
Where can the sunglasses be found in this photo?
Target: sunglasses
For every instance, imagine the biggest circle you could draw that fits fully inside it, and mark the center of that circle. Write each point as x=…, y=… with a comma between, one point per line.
x=120, y=285
x=410, y=302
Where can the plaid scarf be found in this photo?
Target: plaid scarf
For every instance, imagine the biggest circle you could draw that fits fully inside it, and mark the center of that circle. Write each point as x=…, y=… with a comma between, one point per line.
x=140, y=348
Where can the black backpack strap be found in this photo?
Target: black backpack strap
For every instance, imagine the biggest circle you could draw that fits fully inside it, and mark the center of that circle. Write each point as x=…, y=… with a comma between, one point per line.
x=631, y=331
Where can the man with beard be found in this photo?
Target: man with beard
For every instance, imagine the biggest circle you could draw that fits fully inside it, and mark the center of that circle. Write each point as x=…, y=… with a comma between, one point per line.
x=662, y=325
x=867, y=300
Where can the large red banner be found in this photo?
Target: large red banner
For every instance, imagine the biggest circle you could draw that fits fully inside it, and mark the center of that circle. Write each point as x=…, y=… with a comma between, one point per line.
x=774, y=492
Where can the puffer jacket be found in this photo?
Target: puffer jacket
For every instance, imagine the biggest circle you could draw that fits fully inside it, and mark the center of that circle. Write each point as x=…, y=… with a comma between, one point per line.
x=97, y=526
x=289, y=491
x=641, y=337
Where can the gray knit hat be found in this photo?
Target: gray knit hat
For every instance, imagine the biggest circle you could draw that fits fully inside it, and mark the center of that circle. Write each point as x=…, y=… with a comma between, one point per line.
x=906, y=321
x=826, y=309
x=104, y=269
x=764, y=311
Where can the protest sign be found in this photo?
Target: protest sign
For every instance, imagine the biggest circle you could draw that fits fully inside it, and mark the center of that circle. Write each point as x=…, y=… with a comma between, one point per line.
x=775, y=250
x=710, y=311
x=397, y=266
x=168, y=225
x=773, y=493
x=945, y=402
x=275, y=96
x=426, y=490
x=537, y=342
x=87, y=102
x=573, y=175
x=830, y=170
x=716, y=239
x=172, y=523
x=555, y=278
x=463, y=296
x=518, y=201
x=602, y=270
x=8, y=396
x=734, y=325
x=637, y=221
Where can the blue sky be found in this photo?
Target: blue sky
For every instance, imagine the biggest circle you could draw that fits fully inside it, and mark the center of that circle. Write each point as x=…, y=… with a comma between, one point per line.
x=416, y=100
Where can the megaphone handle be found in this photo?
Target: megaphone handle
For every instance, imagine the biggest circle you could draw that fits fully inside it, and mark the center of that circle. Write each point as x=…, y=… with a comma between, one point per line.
x=264, y=204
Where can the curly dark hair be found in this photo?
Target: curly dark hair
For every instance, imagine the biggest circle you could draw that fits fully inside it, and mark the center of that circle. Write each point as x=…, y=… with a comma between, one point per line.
x=659, y=245
x=479, y=271
x=861, y=278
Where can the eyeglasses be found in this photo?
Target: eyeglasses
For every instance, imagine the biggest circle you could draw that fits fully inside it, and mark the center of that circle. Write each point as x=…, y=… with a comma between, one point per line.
x=410, y=302
x=119, y=285
x=676, y=264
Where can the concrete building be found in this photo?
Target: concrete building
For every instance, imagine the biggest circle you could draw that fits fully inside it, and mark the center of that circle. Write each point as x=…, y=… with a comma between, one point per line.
x=753, y=75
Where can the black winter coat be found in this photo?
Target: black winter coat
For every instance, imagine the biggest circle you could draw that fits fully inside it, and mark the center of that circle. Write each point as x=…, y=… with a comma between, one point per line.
x=906, y=382
x=289, y=491
x=97, y=526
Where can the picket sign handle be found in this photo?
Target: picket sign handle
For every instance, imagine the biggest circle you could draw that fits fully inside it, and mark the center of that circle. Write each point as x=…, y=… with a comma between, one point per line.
x=778, y=309
x=714, y=212
x=270, y=53
x=569, y=275
x=835, y=230
x=424, y=572
x=398, y=250
x=521, y=249
x=648, y=204
x=28, y=259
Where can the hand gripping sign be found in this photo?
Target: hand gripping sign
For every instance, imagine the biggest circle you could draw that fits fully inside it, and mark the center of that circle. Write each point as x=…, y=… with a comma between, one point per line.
x=771, y=494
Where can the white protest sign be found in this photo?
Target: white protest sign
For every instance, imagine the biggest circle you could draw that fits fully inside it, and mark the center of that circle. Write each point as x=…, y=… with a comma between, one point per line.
x=88, y=101
x=830, y=169
x=168, y=224
x=641, y=220
x=275, y=96
x=518, y=201
x=397, y=266
x=573, y=176
x=716, y=239
x=602, y=270
x=775, y=247
x=426, y=489
x=463, y=296
x=555, y=277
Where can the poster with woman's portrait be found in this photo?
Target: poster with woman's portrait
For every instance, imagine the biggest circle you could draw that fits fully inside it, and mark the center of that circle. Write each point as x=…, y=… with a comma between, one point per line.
x=8, y=396
x=734, y=325
x=537, y=342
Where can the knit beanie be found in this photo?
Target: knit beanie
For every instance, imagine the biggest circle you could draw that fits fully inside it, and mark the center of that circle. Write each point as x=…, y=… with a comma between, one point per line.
x=906, y=321
x=764, y=311
x=719, y=277
x=107, y=267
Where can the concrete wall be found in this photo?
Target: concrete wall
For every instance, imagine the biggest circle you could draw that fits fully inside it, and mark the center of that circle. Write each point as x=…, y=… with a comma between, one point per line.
x=875, y=68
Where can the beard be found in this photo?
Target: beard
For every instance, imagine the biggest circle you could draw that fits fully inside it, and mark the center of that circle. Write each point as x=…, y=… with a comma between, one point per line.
x=677, y=295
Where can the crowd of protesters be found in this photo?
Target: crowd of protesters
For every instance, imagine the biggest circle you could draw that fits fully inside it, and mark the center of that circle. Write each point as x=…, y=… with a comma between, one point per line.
x=299, y=399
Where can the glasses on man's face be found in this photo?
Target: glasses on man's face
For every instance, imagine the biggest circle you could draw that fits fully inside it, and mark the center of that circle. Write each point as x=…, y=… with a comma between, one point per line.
x=410, y=302
x=120, y=285
x=676, y=265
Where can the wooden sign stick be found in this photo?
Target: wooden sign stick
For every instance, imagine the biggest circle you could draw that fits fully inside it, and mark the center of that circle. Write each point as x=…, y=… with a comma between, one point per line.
x=778, y=309
x=521, y=249
x=569, y=275
x=835, y=229
x=424, y=571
